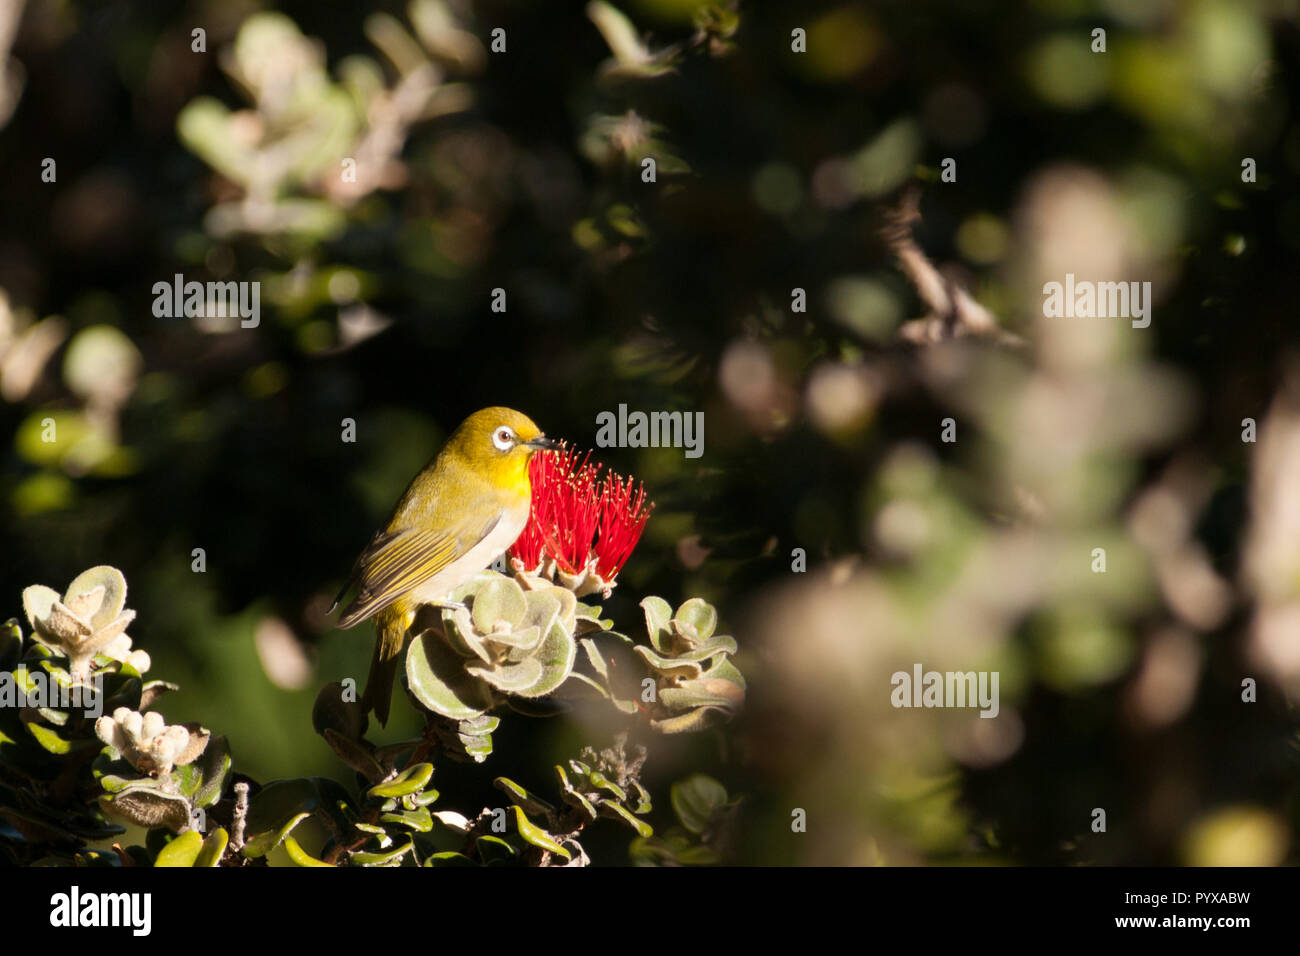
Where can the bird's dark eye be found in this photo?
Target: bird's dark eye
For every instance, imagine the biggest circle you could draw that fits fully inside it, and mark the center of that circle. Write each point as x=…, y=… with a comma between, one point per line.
x=503, y=438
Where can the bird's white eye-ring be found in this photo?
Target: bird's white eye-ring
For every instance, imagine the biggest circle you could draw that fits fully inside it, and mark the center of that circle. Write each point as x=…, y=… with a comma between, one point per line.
x=503, y=438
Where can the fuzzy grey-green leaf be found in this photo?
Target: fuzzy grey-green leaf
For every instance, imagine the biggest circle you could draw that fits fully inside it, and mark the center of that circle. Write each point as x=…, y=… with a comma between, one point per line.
x=701, y=615
x=439, y=681
x=410, y=780
x=657, y=615
x=697, y=800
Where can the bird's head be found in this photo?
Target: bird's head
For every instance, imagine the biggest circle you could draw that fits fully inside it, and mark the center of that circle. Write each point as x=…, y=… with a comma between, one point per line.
x=497, y=443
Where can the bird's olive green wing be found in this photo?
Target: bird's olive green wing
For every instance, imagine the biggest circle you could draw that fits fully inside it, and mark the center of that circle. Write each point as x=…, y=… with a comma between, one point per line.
x=394, y=563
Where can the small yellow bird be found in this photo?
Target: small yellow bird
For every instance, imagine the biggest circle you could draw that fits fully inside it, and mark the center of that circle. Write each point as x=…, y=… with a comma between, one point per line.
x=464, y=508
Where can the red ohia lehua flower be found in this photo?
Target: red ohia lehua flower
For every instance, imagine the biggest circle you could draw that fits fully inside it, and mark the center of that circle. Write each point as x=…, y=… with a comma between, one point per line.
x=583, y=525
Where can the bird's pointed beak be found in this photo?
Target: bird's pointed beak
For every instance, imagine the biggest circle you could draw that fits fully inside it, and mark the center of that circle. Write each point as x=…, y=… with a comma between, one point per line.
x=542, y=442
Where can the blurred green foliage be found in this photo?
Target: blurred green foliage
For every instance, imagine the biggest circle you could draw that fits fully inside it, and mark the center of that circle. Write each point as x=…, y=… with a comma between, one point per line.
x=776, y=170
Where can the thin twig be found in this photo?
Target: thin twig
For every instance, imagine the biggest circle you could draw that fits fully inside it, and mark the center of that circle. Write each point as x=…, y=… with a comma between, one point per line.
x=953, y=311
x=241, y=817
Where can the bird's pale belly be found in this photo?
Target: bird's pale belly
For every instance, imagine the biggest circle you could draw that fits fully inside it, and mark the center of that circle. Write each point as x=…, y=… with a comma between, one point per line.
x=472, y=561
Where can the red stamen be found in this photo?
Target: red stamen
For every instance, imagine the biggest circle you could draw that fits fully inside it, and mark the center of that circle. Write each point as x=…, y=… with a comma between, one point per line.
x=622, y=519
x=576, y=515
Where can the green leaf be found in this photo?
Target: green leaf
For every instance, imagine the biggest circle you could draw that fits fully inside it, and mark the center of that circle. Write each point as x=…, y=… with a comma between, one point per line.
x=201, y=126
x=59, y=718
x=493, y=849
x=449, y=858
x=347, y=718
x=182, y=851
x=723, y=669
x=115, y=783
x=626, y=705
x=213, y=848
x=543, y=609
x=111, y=770
x=49, y=738
x=619, y=812
x=718, y=643
x=458, y=627
x=438, y=680
x=389, y=858
x=478, y=726
x=693, y=660
x=54, y=667
x=574, y=798
x=583, y=679
x=585, y=625
x=699, y=614
x=276, y=810
x=695, y=693
x=594, y=657
x=690, y=721
x=300, y=856
x=556, y=656
x=535, y=835
x=568, y=613
x=423, y=799
x=495, y=599
x=38, y=602
x=11, y=644
x=510, y=678
x=204, y=779
x=521, y=797
x=643, y=804
x=147, y=806
x=467, y=739
x=619, y=33
x=519, y=642
x=419, y=820
x=601, y=782
x=114, y=584
x=657, y=615
x=336, y=801
x=697, y=800
x=675, y=848
x=264, y=843
x=410, y=780
x=684, y=636
x=20, y=753
x=668, y=666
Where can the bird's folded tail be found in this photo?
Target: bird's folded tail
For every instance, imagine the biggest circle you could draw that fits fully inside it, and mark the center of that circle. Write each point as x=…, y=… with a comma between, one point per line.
x=390, y=632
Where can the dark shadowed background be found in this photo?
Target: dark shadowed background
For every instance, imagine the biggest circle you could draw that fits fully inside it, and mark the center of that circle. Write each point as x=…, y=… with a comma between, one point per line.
x=775, y=171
